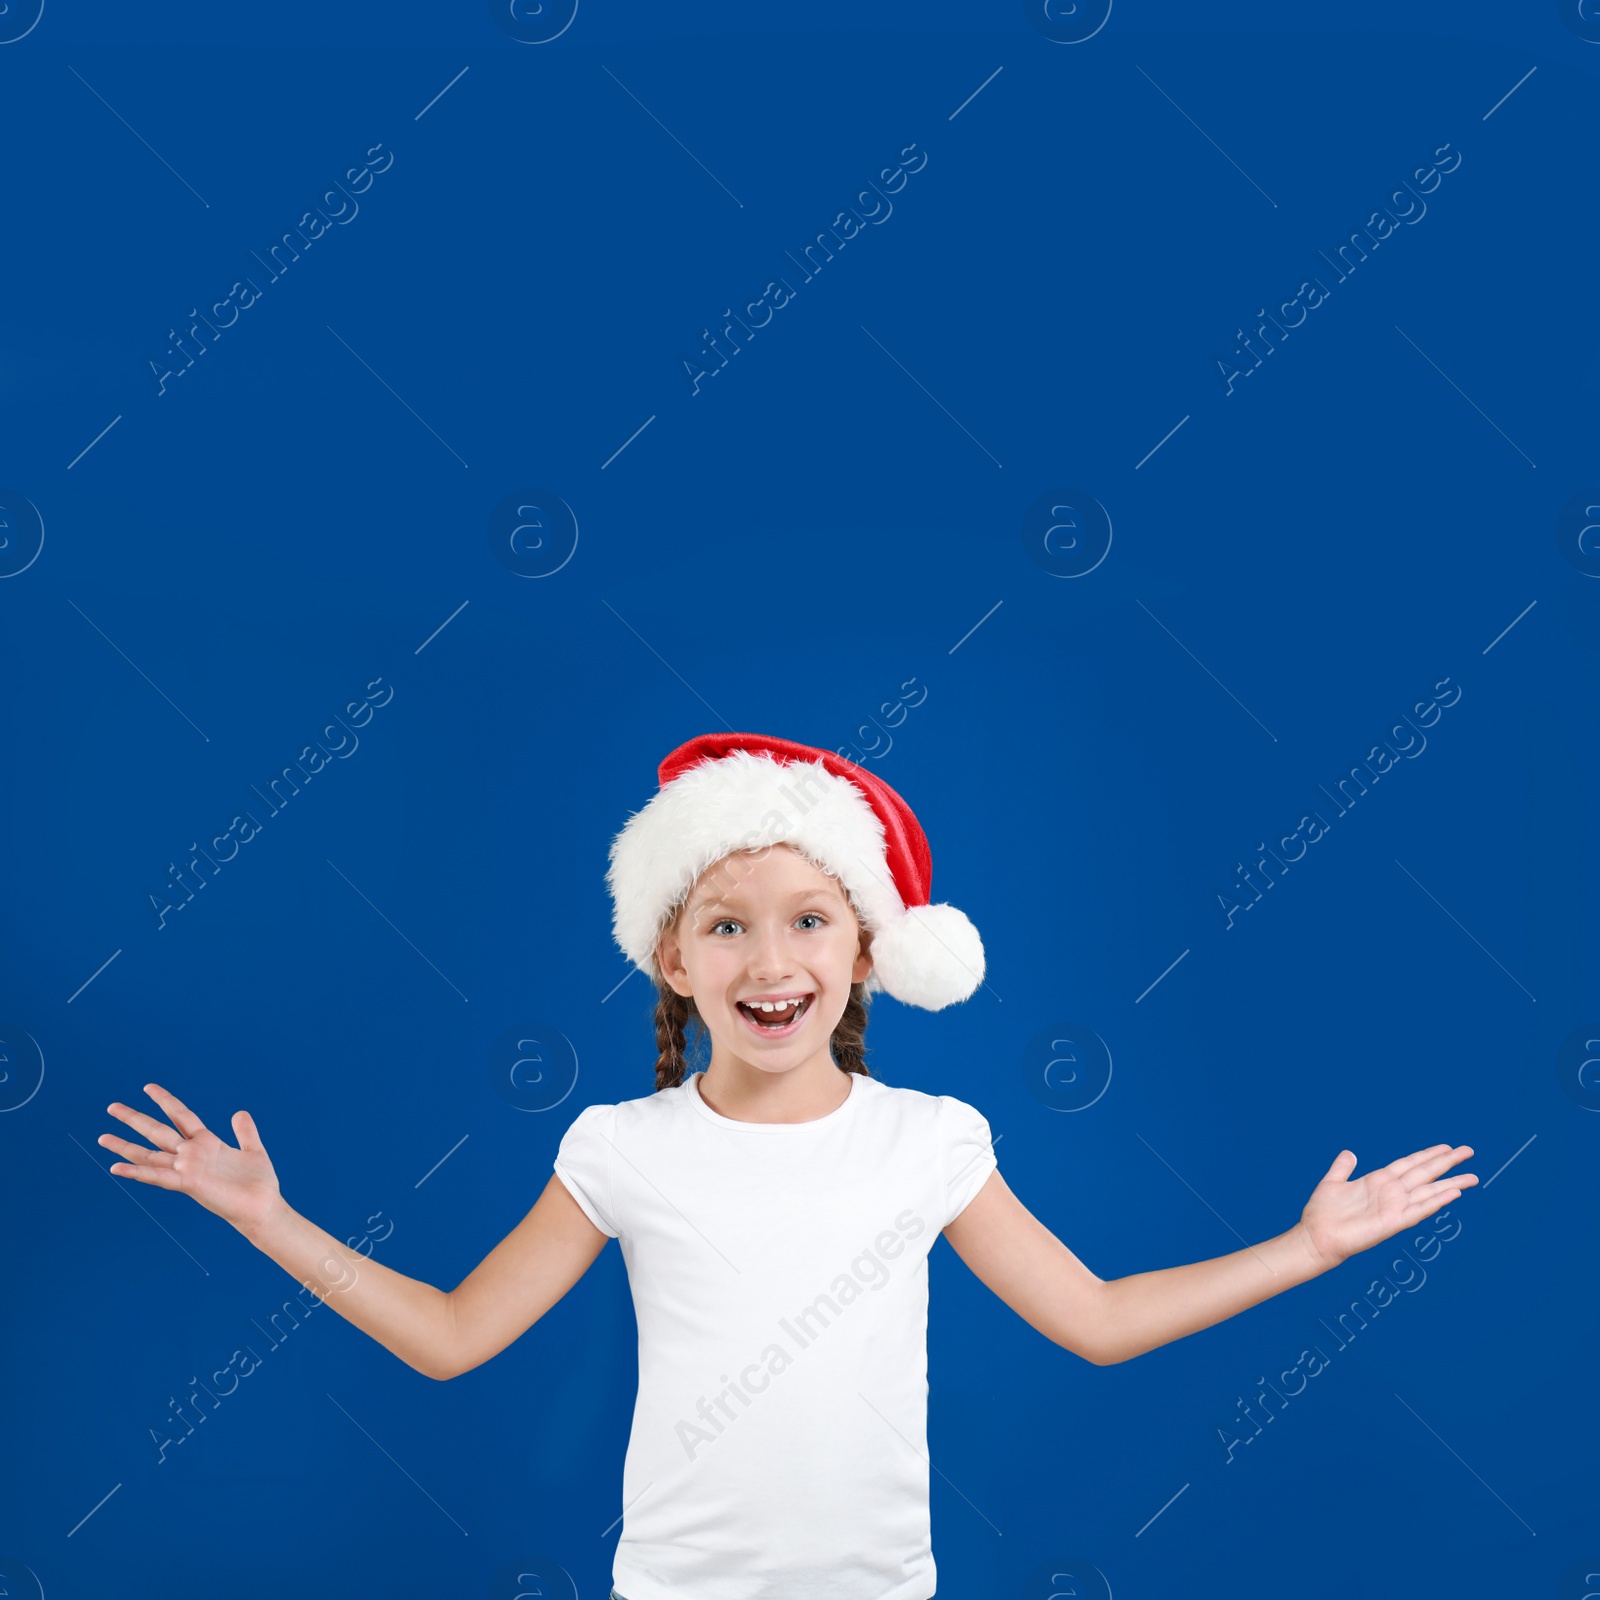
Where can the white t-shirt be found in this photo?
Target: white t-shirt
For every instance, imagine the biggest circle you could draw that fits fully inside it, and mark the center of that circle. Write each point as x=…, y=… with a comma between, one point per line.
x=780, y=1280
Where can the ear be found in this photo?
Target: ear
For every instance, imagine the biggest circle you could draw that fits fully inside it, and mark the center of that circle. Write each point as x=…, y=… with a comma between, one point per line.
x=669, y=957
x=863, y=966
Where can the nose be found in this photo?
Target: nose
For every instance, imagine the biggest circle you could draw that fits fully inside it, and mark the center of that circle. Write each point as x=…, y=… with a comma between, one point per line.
x=770, y=959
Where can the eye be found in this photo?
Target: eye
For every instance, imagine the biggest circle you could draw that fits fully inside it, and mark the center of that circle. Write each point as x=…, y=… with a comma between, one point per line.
x=726, y=922
x=811, y=916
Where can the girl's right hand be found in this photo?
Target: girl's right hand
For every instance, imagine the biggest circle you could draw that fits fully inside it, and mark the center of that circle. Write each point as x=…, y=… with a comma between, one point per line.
x=239, y=1185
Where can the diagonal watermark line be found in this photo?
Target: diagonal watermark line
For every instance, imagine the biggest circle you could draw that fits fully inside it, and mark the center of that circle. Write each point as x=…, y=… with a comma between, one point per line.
x=95, y=974
x=140, y=670
x=667, y=664
x=464, y=1533
x=1508, y=94
x=618, y=984
x=974, y=628
x=464, y=998
x=671, y=135
x=1462, y=1459
x=1465, y=396
x=1508, y=1160
x=442, y=626
x=974, y=95
x=1159, y=442
x=126, y=1186
x=1206, y=1203
x=633, y=1502
x=1162, y=1509
x=908, y=1444
x=139, y=136
x=441, y=1161
x=94, y=441
x=1207, y=670
x=1149, y=987
x=1465, y=929
x=1508, y=627
x=441, y=94
x=392, y=390
x=930, y=394
x=626, y=442
x=83, y=1519
x=1273, y=203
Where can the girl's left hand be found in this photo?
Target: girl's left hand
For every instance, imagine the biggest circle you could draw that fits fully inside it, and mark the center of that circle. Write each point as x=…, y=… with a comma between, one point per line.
x=1343, y=1218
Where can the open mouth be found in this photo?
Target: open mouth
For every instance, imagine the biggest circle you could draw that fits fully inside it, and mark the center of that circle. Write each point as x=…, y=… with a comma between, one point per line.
x=774, y=1018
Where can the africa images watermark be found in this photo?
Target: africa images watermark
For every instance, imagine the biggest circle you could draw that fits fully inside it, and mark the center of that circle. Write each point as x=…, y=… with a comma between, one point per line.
x=1404, y=1274
x=313, y=225
x=311, y=760
x=1381, y=225
x=893, y=714
x=1381, y=758
x=244, y=1361
x=849, y=224
x=868, y=1271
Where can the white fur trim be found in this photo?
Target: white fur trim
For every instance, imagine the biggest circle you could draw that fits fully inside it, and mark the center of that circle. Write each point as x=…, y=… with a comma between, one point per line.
x=743, y=801
x=930, y=956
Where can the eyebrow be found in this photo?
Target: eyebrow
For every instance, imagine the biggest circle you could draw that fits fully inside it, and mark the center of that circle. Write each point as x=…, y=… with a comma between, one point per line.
x=736, y=899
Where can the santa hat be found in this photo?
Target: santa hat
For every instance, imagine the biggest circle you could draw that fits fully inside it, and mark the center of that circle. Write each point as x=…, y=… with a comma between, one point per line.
x=726, y=792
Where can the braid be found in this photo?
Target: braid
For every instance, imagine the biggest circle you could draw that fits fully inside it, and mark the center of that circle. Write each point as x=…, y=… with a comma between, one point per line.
x=849, y=1037
x=673, y=1012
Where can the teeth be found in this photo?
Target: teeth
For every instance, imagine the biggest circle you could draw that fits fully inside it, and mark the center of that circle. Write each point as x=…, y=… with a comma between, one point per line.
x=772, y=1005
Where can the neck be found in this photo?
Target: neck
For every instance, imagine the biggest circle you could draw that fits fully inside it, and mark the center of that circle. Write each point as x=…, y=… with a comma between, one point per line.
x=802, y=1093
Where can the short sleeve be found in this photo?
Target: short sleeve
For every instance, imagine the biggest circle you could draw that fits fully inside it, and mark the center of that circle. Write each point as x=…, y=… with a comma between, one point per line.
x=968, y=1155
x=583, y=1164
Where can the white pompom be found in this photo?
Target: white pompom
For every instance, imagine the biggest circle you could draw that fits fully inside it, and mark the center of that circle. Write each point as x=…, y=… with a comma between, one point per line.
x=929, y=957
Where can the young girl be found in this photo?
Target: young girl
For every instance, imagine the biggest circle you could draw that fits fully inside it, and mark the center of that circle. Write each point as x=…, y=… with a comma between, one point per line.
x=776, y=1210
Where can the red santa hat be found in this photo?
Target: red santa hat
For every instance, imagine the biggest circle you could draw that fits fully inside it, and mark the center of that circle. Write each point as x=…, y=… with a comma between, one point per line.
x=727, y=792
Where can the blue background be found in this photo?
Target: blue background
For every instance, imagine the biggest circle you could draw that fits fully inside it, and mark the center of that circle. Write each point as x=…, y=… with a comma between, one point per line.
x=844, y=507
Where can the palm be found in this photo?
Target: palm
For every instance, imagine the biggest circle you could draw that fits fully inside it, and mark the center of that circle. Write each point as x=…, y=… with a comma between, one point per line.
x=1343, y=1217
x=238, y=1184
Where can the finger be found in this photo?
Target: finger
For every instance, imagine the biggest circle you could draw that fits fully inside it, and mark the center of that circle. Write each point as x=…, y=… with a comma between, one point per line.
x=158, y=1133
x=1428, y=1169
x=161, y=1177
x=135, y=1152
x=1343, y=1165
x=1428, y=1207
x=183, y=1119
x=1456, y=1182
x=1401, y=1166
x=244, y=1130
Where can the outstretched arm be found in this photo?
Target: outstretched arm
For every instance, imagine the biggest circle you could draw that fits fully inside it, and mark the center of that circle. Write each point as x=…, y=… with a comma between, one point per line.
x=1105, y=1322
x=441, y=1334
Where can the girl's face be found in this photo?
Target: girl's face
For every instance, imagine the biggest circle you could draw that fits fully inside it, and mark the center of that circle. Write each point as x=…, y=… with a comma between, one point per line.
x=766, y=928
